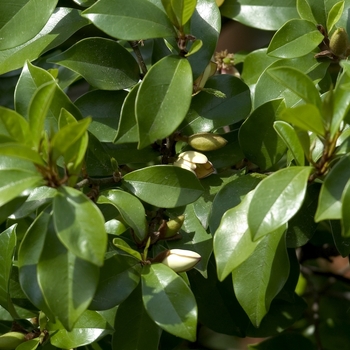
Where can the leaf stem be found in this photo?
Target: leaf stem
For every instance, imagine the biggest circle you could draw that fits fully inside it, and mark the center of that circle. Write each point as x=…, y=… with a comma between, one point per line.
x=135, y=46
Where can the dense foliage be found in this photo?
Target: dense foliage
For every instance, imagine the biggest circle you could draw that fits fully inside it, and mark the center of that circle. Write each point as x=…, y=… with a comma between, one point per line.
x=107, y=203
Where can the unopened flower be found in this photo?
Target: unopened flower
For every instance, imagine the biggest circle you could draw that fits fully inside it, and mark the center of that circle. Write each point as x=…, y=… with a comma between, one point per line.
x=181, y=260
x=196, y=162
x=206, y=141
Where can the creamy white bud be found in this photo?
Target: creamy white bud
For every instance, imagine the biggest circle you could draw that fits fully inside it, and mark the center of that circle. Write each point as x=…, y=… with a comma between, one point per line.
x=193, y=157
x=181, y=260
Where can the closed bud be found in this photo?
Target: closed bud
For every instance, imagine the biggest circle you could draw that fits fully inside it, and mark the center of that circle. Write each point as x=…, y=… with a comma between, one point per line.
x=339, y=42
x=181, y=260
x=11, y=340
x=173, y=226
x=206, y=141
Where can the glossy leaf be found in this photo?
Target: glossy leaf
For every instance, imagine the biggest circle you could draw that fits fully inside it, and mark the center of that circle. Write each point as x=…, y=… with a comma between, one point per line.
x=90, y=327
x=15, y=29
x=79, y=225
x=276, y=200
x=174, y=186
x=14, y=181
x=234, y=107
x=13, y=126
x=179, y=12
x=169, y=301
x=28, y=258
x=29, y=345
x=232, y=240
x=30, y=80
x=120, y=20
x=287, y=133
x=298, y=82
x=259, y=278
x=130, y=208
x=19, y=151
x=305, y=11
x=104, y=107
x=127, y=129
x=132, y=318
x=306, y=117
x=67, y=282
x=7, y=248
x=334, y=15
x=158, y=111
x=119, y=276
x=260, y=15
x=125, y=247
x=267, y=148
x=61, y=25
x=295, y=39
x=329, y=204
x=38, y=110
x=95, y=60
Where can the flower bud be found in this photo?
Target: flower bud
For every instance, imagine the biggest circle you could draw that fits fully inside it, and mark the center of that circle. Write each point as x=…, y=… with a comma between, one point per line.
x=195, y=162
x=181, y=260
x=173, y=226
x=206, y=141
x=11, y=340
x=219, y=2
x=339, y=42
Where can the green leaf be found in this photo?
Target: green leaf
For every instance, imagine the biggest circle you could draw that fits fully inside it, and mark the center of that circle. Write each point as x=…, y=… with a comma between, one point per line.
x=90, y=327
x=102, y=62
x=174, y=186
x=194, y=237
x=38, y=110
x=288, y=134
x=15, y=28
x=221, y=109
x=29, y=254
x=305, y=11
x=195, y=47
x=130, y=208
x=30, y=80
x=132, y=318
x=307, y=117
x=267, y=148
x=61, y=25
x=264, y=282
x=67, y=282
x=13, y=126
x=230, y=195
x=19, y=151
x=296, y=38
x=334, y=15
x=232, y=240
x=127, y=128
x=298, y=82
x=119, y=19
x=104, y=107
x=314, y=69
x=169, y=301
x=329, y=204
x=119, y=276
x=21, y=180
x=345, y=199
x=79, y=225
x=31, y=344
x=183, y=10
x=65, y=141
x=122, y=245
x=260, y=15
x=276, y=200
x=158, y=108
x=7, y=248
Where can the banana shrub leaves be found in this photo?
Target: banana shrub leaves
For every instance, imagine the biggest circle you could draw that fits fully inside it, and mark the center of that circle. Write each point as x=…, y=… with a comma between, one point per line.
x=171, y=198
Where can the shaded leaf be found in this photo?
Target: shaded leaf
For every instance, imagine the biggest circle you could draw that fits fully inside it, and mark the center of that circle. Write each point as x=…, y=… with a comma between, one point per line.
x=158, y=108
x=169, y=301
x=95, y=60
x=174, y=186
x=120, y=20
x=13, y=127
x=79, y=225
